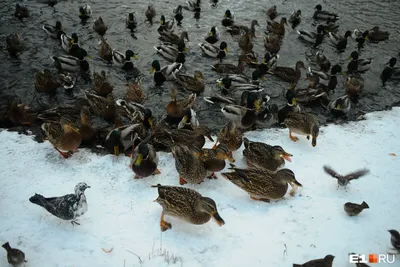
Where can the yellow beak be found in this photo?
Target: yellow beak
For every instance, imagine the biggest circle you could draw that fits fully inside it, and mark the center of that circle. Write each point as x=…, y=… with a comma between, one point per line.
x=116, y=150
x=210, y=34
x=136, y=57
x=226, y=49
x=338, y=107
x=139, y=160
x=294, y=101
x=185, y=119
x=257, y=105
x=220, y=83
x=152, y=70
x=350, y=57
x=150, y=120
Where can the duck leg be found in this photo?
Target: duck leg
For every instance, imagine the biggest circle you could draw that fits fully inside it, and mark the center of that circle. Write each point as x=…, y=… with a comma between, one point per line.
x=260, y=199
x=308, y=137
x=230, y=157
x=294, y=138
x=215, y=145
x=163, y=224
x=182, y=181
x=212, y=176
x=64, y=154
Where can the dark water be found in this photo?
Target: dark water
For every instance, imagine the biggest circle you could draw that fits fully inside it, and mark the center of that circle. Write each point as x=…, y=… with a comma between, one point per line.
x=17, y=75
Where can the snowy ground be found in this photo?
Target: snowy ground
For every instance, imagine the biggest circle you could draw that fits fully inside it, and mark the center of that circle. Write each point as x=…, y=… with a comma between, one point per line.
x=123, y=216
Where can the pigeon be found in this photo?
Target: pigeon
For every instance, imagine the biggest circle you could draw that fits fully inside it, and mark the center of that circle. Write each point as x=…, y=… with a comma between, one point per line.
x=343, y=180
x=395, y=239
x=15, y=256
x=325, y=262
x=68, y=207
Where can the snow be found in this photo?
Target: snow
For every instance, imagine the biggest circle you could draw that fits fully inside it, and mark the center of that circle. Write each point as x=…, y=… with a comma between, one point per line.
x=123, y=216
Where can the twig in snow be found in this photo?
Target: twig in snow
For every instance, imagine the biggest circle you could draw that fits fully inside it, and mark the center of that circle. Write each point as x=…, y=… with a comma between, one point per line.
x=140, y=260
x=284, y=252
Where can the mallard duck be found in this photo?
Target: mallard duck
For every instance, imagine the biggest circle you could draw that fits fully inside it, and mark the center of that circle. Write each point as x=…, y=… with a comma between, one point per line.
x=290, y=106
x=215, y=51
x=340, y=106
x=264, y=156
x=101, y=106
x=230, y=68
x=124, y=60
x=358, y=64
x=14, y=44
x=228, y=19
x=122, y=138
x=171, y=52
x=101, y=85
x=136, y=112
x=54, y=31
x=85, y=128
x=192, y=5
x=390, y=72
x=320, y=59
x=237, y=78
x=99, y=26
x=354, y=85
x=70, y=44
x=134, y=92
x=230, y=135
x=105, y=51
x=312, y=37
x=277, y=27
x=166, y=73
x=335, y=70
x=361, y=40
x=150, y=14
x=308, y=95
x=63, y=137
x=72, y=64
x=242, y=30
x=376, y=35
x=172, y=38
x=228, y=86
x=295, y=18
x=330, y=26
x=304, y=124
x=85, y=12
x=261, y=184
x=45, y=83
x=19, y=114
x=131, y=22
x=188, y=165
x=270, y=61
x=353, y=209
x=176, y=108
x=272, y=44
x=187, y=205
x=178, y=15
x=195, y=83
x=144, y=160
x=165, y=25
x=288, y=74
x=21, y=12
x=320, y=14
x=189, y=120
x=213, y=36
x=246, y=45
x=272, y=13
x=339, y=41
x=214, y=159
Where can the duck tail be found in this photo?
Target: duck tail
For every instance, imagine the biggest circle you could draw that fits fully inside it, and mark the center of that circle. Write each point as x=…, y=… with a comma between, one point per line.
x=246, y=142
x=38, y=200
x=158, y=185
x=364, y=205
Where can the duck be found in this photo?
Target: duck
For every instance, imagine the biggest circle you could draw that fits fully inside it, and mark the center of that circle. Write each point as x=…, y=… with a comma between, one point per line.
x=195, y=83
x=360, y=37
x=272, y=13
x=172, y=38
x=228, y=86
x=289, y=74
x=124, y=60
x=269, y=61
x=215, y=51
x=390, y=72
x=354, y=85
x=70, y=44
x=178, y=15
x=64, y=138
x=358, y=64
x=230, y=135
x=192, y=5
x=105, y=51
x=101, y=106
x=72, y=64
x=330, y=26
x=339, y=41
x=277, y=27
x=45, y=83
x=312, y=37
x=376, y=35
x=176, y=108
x=188, y=165
x=246, y=45
x=54, y=31
x=150, y=14
x=99, y=26
x=144, y=160
x=88, y=133
x=189, y=120
x=332, y=83
x=21, y=12
x=131, y=22
x=19, y=113
x=214, y=159
x=237, y=78
x=122, y=138
x=325, y=262
x=213, y=36
x=136, y=113
x=290, y=106
x=85, y=12
x=308, y=95
x=229, y=18
x=304, y=124
x=261, y=184
x=272, y=44
x=230, y=68
x=353, y=209
x=320, y=59
x=171, y=52
x=101, y=85
x=320, y=14
x=323, y=75
x=165, y=25
x=134, y=92
x=14, y=44
x=243, y=30
x=187, y=205
x=165, y=73
x=340, y=106
x=295, y=18
x=264, y=156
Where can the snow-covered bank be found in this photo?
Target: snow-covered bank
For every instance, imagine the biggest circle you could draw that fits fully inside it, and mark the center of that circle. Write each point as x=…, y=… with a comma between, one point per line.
x=123, y=216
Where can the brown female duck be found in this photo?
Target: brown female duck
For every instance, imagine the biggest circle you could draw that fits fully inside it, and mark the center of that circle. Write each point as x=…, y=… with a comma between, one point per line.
x=277, y=27
x=101, y=85
x=134, y=92
x=304, y=124
x=176, y=108
x=289, y=74
x=230, y=68
x=45, y=83
x=231, y=136
x=214, y=159
x=189, y=166
x=195, y=83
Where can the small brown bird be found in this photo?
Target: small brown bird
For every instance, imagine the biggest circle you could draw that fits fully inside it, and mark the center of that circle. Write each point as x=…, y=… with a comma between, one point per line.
x=214, y=159
x=343, y=180
x=15, y=256
x=325, y=262
x=150, y=14
x=395, y=239
x=272, y=13
x=354, y=209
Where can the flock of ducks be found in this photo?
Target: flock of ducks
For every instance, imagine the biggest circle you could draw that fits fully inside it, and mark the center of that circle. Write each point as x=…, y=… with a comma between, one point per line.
x=132, y=129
